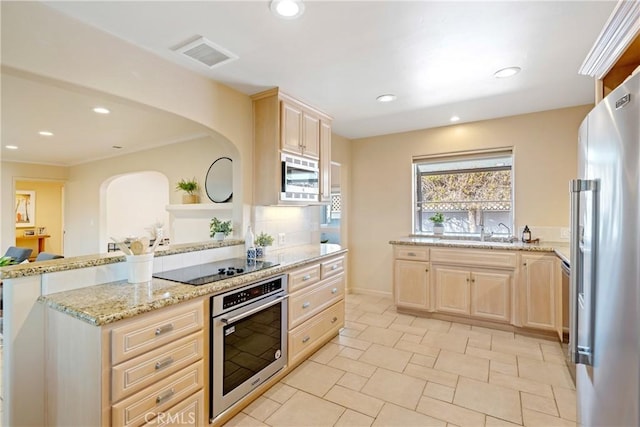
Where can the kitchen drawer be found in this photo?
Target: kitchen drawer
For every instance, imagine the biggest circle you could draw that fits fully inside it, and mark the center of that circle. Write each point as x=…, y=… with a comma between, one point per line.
x=303, y=277
x=315, y=332
x=474, y=257
x=137, y=373
x=332, y=267
x=159, y=397
x=154, y=330
x=310, y=301
x=189, y=412
x=413, y=253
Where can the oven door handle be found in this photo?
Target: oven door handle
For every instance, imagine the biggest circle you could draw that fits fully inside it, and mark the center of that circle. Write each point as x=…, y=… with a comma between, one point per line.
x=255, y=310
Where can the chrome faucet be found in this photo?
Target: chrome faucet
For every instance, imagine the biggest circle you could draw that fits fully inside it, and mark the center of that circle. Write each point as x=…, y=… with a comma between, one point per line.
x=505, y=226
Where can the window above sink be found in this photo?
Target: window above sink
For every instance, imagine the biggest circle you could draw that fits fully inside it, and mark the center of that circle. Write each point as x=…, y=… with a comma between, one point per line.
x=473, y=190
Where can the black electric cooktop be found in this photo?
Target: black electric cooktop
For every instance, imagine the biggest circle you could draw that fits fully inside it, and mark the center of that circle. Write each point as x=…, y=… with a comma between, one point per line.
x=202, y=274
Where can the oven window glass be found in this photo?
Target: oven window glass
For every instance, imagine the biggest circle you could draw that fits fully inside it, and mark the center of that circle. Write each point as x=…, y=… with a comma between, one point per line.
x=301, y=178
x=250, y=345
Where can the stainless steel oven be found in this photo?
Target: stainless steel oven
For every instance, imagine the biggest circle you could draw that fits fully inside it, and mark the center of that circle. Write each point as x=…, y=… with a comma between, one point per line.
x=248, y=340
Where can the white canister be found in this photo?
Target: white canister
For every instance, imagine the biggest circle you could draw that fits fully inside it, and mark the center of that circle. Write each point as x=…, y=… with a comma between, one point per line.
x=139, y=268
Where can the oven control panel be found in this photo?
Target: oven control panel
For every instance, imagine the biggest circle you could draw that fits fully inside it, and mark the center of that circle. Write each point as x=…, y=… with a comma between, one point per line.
x=251, y=293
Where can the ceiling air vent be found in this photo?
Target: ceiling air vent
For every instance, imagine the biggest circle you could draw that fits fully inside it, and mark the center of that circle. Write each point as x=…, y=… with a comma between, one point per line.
x=206, y=52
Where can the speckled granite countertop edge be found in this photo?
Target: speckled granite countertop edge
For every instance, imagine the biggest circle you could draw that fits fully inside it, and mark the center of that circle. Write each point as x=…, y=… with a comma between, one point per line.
x=73, y=263
x=106, y=303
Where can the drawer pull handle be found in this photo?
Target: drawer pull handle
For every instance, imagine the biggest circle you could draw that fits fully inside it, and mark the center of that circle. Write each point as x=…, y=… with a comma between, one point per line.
x=334, y=267
x=334, y=290
x=305, y=339
x=334, y=320
x=306, y=305
x=164, y=329
x=164, y=363
x=411, y=254
x=306, y=277
x=165, y=396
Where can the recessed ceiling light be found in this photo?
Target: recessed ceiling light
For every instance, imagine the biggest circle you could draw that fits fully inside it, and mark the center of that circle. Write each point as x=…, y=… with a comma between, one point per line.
x=454, y=118
x=101, y=110
x=287, y=9
x=507, y=72
x=11, y=147
x=45, y=133
x=386, y=98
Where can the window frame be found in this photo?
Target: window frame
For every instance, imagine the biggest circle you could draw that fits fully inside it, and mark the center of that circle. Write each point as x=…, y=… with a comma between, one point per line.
x=460, y=156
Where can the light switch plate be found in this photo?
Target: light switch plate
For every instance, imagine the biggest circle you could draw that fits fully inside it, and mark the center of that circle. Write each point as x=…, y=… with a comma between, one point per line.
x=565, y=233
x=281, y=239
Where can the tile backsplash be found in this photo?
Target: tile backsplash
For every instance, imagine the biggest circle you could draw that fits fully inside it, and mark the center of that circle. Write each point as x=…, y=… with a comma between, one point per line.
x=300, y=225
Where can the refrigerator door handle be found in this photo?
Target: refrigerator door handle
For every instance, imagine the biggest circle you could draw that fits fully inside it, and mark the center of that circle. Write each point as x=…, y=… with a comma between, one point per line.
x=582, y=294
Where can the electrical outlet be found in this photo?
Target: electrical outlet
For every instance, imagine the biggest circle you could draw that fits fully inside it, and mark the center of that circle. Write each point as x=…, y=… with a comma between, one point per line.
x=281, y=238
x=565, y=233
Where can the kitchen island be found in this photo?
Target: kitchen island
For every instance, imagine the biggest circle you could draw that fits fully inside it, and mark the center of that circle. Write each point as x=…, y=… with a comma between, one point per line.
x=72, y=317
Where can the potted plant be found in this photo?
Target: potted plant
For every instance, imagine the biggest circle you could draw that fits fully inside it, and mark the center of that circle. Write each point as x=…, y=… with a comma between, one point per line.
x=438, y=227
x=262, y=241
x=190, y=187
x=220, y=229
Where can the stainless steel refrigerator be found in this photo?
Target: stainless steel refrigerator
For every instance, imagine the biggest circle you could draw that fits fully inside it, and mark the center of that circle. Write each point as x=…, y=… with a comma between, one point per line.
x=605, y=261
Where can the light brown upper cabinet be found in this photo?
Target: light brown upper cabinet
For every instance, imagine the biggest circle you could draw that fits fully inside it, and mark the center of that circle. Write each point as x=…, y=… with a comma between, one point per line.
x=616, y=52
x=283, y=124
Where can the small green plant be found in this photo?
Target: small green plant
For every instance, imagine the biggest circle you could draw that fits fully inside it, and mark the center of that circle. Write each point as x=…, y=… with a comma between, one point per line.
x=264, y=239
x=437, y=218
x=218, y=226
x=189, y=187
x=6, y=260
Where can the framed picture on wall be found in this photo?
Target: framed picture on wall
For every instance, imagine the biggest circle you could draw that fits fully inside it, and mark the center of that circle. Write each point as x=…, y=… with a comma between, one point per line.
x=25, y=208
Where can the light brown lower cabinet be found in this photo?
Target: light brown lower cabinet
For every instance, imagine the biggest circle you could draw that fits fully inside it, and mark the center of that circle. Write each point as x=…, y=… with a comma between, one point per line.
x=475, y=293
x=149, y=369
x=316, y=307
x=541, y=292
x=522, y=288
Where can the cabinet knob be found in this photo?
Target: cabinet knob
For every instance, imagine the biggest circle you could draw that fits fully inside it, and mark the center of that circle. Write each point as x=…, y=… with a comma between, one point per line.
x=334, y=290
x=411, y=254
x=473, y=280
x=334, y=267
x=305, y=278
x=426, y=269
x=334, y=320
x=306, y=305
x=467, y=279
x=305, y=339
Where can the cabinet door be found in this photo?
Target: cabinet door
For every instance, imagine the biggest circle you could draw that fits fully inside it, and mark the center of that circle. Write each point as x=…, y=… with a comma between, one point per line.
x=290, y=128
x=539, y=292
x=310, y=135
x=491, y=295
x=452, y=290
x=411, y=284
x=325, y=161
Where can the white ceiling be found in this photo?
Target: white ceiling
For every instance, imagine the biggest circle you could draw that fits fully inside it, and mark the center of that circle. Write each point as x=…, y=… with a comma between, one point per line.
x=437, y=57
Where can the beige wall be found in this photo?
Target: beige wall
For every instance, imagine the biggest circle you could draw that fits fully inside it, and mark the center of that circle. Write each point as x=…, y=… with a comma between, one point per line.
x=78, y=54
x=545, y=155
x=341, y=153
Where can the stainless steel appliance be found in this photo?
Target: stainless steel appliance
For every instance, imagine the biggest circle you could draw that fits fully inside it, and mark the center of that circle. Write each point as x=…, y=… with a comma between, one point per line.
x=202, y=274
x=248, y=340
x=300, y=179
x=605, y=261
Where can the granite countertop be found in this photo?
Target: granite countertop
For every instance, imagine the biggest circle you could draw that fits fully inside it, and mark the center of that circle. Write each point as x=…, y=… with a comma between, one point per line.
x=107, y=303
x=72, y=263
x=561, y=249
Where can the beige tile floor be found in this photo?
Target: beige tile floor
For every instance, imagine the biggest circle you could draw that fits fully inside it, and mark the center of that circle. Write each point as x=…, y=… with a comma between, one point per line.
x=391, y=369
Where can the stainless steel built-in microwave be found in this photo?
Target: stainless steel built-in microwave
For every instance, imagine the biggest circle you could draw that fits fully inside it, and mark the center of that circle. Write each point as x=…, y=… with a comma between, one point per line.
x=300, y=179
